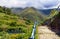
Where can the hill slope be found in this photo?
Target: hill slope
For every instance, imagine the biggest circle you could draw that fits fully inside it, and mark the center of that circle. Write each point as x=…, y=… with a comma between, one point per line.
x=55, y=24
x=13, y=26
x=32, y=14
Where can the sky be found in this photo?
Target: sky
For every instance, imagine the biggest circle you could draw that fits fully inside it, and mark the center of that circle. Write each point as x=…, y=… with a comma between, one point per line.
x=40, y=4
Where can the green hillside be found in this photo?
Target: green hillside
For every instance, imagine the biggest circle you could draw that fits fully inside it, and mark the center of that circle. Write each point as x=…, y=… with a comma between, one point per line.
x=13, y=26
x=18, y=26
x=32, y=14
x=52, y=13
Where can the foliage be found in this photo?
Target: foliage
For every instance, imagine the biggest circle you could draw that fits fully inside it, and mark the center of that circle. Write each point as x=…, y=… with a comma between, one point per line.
x=12, y=26
x=5, y=10
x=36, y=34
x=52, y=13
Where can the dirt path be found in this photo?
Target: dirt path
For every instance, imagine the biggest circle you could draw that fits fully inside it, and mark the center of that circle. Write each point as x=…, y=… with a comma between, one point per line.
x=45, y=33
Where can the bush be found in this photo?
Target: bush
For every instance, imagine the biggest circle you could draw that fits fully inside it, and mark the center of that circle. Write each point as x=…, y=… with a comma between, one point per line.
x=13, y=24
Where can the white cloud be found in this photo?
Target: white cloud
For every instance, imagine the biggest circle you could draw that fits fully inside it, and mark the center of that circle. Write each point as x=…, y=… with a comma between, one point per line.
x=41, y=4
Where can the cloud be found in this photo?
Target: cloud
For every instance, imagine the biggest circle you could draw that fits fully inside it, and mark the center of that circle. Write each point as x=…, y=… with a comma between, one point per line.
x=48, y=4
x=40, y=4
x=13, y=3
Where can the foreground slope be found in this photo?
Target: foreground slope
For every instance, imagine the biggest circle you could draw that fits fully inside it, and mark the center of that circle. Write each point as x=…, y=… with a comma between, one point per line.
x=45, y=33
x=51, y=28
x=55, y=24
x=13, y=26
x=53, y=21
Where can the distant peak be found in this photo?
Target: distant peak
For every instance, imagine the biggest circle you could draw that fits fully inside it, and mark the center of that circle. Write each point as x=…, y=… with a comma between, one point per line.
x=29, y=8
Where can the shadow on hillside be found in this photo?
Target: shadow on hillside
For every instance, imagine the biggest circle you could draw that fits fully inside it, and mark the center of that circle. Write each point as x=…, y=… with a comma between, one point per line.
x=54, y=29
x=54, y=23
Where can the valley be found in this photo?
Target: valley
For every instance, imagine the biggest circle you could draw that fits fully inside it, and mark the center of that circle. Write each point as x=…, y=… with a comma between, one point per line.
x=18, y=23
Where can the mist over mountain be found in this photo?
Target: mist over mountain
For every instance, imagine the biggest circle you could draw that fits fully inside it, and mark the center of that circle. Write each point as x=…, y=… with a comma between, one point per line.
x=16, y=10
x=44, y=11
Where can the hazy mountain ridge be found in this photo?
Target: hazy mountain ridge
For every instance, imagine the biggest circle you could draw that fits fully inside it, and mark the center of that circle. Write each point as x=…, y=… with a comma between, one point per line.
x=44, y=11
x=16, y=10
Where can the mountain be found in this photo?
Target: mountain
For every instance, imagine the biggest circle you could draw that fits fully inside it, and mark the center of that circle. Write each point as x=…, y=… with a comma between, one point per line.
x=16, y=10
x=33, y=14
x=45, y=11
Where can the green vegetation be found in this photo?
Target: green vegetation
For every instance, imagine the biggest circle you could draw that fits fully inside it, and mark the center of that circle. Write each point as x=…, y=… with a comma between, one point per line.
x=50, y=17
x=13, y=26
x=52, y=14
x=5, y=10
x=32, y=14
x=19, y=26
x=36, y=35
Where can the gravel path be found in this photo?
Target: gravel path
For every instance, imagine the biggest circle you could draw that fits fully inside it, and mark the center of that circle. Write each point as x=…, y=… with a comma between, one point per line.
x=45, y=33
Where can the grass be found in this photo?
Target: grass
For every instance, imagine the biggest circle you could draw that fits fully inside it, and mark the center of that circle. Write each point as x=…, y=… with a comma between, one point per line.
x=8, y=22
x=36, y=35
